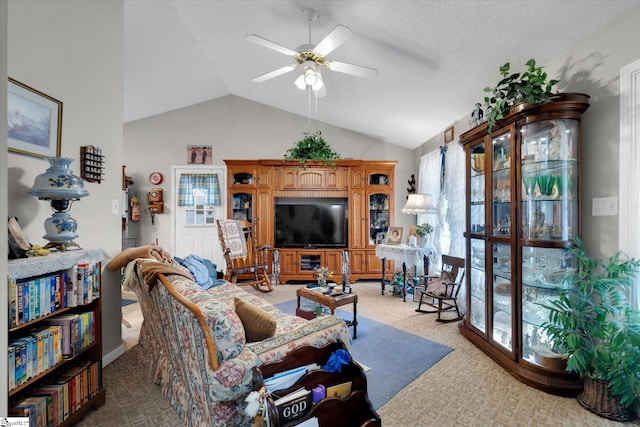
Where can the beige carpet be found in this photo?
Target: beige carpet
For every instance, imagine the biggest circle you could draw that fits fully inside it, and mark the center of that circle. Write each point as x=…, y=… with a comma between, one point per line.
x=466, y=388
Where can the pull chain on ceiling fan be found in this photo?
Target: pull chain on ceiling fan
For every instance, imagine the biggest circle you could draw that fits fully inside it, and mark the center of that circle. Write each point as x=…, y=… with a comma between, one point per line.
x=310, y=57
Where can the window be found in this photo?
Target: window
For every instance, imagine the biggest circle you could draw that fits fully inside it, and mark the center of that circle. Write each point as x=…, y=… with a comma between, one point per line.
x=199, y=194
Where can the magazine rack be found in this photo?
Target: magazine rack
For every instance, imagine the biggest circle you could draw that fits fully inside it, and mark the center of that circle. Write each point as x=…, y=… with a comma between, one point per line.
x=352, y=410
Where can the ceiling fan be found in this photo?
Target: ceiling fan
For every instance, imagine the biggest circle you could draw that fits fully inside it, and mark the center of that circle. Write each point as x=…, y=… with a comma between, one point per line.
x=310, y=57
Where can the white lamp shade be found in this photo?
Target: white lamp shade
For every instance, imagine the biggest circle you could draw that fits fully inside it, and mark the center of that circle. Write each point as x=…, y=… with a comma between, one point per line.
x=418, y=204
x=300, y=84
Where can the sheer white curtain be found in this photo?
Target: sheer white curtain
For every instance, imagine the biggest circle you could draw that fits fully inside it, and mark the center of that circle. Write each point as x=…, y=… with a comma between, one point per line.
x=429, y=183
x=449, y=199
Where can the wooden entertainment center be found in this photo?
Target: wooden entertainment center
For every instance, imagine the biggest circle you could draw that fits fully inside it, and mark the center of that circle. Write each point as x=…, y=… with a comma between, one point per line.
x=254, y=187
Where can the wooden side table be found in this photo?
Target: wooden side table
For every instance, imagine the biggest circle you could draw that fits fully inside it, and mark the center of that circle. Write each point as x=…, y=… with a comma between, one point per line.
x=332, y=302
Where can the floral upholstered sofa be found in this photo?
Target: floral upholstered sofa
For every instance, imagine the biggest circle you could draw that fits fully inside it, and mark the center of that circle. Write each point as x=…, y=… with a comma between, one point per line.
x=200, y=354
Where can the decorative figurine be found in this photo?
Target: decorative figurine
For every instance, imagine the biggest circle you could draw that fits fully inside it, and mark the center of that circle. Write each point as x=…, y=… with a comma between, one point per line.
x=411, y=189
x=477, y=115
x=134, y=202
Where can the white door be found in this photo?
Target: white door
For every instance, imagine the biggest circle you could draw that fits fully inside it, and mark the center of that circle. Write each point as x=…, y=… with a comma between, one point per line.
x=194, y=227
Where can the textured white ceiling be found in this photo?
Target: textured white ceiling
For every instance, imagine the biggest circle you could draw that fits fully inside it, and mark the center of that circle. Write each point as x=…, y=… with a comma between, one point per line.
x=434, y=57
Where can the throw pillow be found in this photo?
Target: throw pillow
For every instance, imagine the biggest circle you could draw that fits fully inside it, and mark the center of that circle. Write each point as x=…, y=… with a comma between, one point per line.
x=258, y=324
x=438, y=287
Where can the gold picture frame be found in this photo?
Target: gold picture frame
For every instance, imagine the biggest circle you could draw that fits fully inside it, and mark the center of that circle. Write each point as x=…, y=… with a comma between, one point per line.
x=394, y=235
x=35, y=121
x=448, y=135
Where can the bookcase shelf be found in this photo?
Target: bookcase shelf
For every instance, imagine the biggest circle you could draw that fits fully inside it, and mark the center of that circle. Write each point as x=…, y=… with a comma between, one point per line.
x=73, y=381
x=16, y=390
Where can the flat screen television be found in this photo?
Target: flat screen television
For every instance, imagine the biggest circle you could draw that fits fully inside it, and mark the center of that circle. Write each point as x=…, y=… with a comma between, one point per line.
x=318, y=222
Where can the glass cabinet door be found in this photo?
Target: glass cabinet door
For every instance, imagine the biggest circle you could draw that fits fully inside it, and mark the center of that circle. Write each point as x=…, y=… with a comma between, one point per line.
x=242, y=206
x=501, y=185
x=478, y=297
x=549, y=183
x=477, y=311
x=549, y=206
x=502, y=296
x=378, y=217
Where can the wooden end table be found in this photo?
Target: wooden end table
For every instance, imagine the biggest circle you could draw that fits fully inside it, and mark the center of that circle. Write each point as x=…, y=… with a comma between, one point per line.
x=332, y=302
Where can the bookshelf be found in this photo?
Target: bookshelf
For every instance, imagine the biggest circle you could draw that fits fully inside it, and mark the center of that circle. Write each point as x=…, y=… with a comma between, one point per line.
x=55, y=336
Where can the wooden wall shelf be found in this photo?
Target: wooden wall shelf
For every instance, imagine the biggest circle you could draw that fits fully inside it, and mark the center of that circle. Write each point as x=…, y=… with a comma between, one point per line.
x=91, y=164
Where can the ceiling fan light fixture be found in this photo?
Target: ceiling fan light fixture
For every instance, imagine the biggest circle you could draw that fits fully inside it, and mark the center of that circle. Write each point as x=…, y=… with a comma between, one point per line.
x=310, y=76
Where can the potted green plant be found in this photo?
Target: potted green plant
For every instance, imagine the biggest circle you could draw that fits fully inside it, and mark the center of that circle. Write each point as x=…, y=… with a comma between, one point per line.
x=529, y=86
x=593, y=325
x=312, y=147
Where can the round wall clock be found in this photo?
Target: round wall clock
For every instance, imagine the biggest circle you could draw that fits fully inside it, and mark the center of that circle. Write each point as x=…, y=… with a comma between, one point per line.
x=155, y=178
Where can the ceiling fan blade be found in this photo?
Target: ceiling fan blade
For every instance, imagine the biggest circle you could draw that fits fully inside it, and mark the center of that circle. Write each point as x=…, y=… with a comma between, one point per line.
x=355, y=70
x=270, y=45
x=275, y=73
x=335, y=38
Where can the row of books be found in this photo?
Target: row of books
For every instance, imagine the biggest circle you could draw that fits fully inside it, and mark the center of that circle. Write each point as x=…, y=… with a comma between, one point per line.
x=40, y=296
x=62, y=336
x=52, y=404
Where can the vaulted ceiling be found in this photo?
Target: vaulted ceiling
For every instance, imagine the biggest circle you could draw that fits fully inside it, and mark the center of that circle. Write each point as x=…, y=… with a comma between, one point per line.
x=434, y=57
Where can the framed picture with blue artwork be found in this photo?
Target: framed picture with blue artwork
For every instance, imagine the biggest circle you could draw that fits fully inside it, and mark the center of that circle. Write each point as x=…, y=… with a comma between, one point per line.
x=34, y=120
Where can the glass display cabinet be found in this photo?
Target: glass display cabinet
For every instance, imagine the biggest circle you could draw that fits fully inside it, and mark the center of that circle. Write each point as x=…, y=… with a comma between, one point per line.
x=523, y=210
x=378, y=218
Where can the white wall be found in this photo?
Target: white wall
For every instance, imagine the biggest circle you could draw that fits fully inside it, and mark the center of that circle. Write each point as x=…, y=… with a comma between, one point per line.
x=73, y=51
x=237, y=128
x=591, y=67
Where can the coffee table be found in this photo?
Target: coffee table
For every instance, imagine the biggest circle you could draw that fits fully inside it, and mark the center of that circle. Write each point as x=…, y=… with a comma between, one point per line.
x=332, y=302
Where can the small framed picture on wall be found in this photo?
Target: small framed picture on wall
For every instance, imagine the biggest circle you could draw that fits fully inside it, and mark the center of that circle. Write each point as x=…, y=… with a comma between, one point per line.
x=199, y=154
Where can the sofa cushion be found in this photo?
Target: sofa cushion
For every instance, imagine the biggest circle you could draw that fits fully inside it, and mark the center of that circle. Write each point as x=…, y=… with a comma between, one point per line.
x=258, y=324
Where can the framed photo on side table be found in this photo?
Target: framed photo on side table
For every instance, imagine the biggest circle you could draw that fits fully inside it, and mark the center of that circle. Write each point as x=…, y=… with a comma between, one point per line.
x=394, y=235
x=34, y=121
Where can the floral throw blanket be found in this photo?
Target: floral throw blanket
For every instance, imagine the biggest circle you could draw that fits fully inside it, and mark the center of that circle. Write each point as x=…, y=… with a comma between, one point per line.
x=234, y=238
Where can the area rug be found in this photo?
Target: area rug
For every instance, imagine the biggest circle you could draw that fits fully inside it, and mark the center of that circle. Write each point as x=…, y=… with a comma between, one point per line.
x=395, y=357
x=128, y=301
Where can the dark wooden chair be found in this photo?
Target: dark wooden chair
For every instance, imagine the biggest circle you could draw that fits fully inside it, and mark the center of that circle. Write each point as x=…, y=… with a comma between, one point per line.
x=441, y=292
x=247, y=261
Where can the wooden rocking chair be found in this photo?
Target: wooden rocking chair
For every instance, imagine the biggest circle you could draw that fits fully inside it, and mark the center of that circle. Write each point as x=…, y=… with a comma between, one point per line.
x=247, y=262
x=441, y=292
